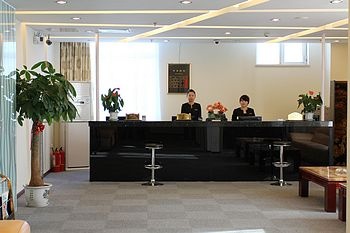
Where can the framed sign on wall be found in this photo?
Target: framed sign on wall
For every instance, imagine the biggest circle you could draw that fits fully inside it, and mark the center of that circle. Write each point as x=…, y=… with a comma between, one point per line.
x=178, y=78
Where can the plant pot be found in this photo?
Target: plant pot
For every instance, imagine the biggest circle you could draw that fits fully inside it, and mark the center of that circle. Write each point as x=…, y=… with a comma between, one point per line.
x=37, y=196
x=113, y=116
x=309, y=116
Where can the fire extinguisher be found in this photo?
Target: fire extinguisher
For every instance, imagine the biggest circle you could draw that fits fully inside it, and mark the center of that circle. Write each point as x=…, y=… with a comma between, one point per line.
x=63, y=160
x=52, y=155
x=57, y=161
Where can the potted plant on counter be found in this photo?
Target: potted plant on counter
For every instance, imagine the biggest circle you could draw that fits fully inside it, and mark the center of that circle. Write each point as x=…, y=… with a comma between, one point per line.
x=311, y=103
x=42, y=95
x=112, y=102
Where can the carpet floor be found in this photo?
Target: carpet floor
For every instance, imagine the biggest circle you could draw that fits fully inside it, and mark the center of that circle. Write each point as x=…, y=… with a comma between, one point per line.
x=79, y=206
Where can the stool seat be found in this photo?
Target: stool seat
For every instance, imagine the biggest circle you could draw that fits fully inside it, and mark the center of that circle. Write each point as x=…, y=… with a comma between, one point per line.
x=154, y=146
x=281, y=143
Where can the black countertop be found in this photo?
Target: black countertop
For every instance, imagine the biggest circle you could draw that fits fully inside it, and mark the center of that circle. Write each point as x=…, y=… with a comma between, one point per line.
x=133, y=123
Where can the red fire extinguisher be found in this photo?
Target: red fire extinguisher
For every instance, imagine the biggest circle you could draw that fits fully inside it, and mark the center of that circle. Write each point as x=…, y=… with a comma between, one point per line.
x=63, y=160
x=57, y=161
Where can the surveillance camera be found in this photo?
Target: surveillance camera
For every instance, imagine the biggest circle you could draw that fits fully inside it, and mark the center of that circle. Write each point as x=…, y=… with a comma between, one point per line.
x=48, y=42
x=216, y=41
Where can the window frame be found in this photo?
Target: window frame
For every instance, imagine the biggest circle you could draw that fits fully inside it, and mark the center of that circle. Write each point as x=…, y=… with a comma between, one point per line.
x=305, y=52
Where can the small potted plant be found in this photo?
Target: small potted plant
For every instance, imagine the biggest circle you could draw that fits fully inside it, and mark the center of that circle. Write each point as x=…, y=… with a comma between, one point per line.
x=216, y=111
x=42, y=95
x=112, y=102
x=310, y=102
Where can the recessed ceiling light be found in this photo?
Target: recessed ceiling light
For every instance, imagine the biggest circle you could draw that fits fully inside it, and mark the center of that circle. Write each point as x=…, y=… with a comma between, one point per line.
x=76, y=18
x=275, y=19
x=336, y=1
x=166, y=41
x=185, y=2
x=227, y=33
x=336, y=41
x=61, y=2
x=89, y=31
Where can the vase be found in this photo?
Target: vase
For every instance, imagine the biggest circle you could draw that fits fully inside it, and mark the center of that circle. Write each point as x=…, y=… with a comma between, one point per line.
x=211, y=115
x=309, y=116
x=113, y=116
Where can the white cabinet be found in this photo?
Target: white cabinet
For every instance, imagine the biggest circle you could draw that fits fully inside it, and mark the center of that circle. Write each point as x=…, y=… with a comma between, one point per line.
x=77, y=144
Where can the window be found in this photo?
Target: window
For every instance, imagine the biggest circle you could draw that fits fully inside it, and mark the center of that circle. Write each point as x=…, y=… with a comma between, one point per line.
x=282, y=54
x=133, y=67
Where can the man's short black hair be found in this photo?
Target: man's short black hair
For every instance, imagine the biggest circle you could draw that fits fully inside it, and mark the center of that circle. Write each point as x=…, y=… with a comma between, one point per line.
x=244, y=97
x=190, y=90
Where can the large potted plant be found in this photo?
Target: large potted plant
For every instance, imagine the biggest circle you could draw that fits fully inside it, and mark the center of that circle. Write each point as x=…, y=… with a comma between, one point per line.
x=113, y=102
x=42, y=95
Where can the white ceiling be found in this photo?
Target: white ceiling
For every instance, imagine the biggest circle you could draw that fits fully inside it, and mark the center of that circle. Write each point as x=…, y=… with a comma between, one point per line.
x=299, y=14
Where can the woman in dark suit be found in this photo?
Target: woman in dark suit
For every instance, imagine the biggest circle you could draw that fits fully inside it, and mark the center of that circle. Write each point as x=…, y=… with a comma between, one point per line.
x=191, y=106
x=243, y=110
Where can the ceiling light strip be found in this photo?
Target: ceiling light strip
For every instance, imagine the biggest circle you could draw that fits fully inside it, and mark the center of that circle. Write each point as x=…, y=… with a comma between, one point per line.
x=199, y=38
x=111, y=12
x=249, y=27
x=310, y=31
x=189, y=26
x=197, y=19
x=58, y=12
x=295, y=11
x=152, y=26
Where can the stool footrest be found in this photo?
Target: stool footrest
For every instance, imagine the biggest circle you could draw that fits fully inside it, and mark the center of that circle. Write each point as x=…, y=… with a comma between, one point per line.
x=155, y=167
x=281, y=164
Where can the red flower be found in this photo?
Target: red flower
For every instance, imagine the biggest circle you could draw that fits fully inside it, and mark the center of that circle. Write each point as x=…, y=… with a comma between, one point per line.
x=311, y=92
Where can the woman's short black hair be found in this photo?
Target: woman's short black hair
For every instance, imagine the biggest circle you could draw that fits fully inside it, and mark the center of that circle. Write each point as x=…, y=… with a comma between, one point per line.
x=244, y=97
x=190, y=90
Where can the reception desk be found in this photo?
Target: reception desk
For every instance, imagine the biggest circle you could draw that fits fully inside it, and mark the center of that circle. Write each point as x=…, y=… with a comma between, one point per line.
x=193, y=150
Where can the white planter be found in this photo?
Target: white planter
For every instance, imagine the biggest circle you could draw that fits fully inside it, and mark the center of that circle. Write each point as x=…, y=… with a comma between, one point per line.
x=113, y=116
x=309, y=116
x=37, y=196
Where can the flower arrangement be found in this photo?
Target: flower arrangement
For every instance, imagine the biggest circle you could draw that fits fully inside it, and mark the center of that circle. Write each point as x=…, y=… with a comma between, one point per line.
x=310, y=101
x=217, y=106
x=112, y=102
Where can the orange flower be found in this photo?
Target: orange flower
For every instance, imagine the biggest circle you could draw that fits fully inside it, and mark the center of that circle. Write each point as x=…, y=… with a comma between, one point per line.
x=217, y=106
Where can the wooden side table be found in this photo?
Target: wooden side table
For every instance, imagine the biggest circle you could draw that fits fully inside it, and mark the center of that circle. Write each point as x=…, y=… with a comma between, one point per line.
x=328, y=177
x=342, y=202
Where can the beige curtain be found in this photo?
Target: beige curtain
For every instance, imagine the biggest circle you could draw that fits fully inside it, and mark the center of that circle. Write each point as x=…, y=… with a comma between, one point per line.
x=75, y=61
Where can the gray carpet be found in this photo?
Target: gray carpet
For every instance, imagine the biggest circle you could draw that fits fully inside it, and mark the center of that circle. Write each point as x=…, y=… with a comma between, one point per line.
x=78, y=206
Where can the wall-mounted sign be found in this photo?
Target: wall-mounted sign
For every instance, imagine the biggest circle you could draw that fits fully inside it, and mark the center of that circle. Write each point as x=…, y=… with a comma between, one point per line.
x=178, y=78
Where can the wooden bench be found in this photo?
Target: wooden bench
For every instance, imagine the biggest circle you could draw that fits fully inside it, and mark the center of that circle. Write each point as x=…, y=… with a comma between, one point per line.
x=328, y=177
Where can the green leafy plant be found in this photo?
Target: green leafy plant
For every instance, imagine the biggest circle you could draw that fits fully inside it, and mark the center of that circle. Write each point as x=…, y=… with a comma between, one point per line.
x=112, y=102
x=310, y=101
x=42, y=95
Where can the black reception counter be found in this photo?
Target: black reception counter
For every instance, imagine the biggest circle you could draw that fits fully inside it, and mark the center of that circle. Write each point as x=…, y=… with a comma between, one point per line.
x=193, y=150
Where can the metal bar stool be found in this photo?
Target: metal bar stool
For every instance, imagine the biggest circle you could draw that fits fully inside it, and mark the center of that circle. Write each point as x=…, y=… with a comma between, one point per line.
x=281, y=164
x=153, y=166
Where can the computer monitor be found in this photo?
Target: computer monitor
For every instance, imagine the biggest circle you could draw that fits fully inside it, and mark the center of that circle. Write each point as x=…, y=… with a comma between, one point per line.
x=249, y=118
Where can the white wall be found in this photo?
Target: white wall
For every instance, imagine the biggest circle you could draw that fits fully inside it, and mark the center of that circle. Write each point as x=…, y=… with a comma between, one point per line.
x=28, y=54
x=339, y=62
x=226, y=71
